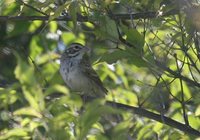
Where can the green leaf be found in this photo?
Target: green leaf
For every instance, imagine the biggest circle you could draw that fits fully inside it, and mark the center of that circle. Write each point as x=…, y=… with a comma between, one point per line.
x=30, y=98
x=7, y=96
x=14, y=133
x=34, y=26
x=44, y=58
x=73, y=11
x=120, y=131
x=145, y=132
x=28, y=111
x=58, y=126
x=114, y=56
x=24, y=72
x=107, y=28
x=53, y=26
x=135, y=57
x=133, y=37
x=158, y=126
x=58, y=11
x=130, y=54
x=30, y=87
x=92, y=114
x=20, y=27
x=35, y=47
x=56, y=88
x=197, y=112
x=10, y=8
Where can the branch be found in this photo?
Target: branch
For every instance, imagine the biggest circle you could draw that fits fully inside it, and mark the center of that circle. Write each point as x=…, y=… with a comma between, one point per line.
x=43, y=18
x=142, y=15
x=142, y=112
x=156, y=117
x=81, y=18
x=176, y=74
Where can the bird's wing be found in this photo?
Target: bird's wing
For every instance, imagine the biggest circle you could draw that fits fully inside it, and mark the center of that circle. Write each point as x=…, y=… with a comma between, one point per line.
x=91, y=73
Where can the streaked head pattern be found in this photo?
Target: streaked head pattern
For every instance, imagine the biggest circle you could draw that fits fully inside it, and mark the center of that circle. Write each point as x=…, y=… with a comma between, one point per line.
x=76, y=50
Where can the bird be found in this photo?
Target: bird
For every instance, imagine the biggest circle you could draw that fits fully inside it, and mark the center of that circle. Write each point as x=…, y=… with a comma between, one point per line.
x=78, y=74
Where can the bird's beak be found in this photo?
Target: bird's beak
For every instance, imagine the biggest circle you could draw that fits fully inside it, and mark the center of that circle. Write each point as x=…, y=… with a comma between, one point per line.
x=86, y=49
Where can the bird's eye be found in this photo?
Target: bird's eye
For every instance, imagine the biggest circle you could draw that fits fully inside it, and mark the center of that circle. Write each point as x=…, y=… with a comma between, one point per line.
x=76, y=47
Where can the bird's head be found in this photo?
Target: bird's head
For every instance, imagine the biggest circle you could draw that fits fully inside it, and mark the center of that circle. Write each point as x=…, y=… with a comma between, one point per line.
x=76, y=50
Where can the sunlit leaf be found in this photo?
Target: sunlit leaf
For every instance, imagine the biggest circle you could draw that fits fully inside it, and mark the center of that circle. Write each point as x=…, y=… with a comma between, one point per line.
x=197, y=112
x=34, y=25
x=31, y=89
x=28, y=111
x=7, y=97
x=144, y=132
x=121, y=130
x=23, y=72
x=35, y=47
x=46, y=58
x=56, y=88
x=17, y=132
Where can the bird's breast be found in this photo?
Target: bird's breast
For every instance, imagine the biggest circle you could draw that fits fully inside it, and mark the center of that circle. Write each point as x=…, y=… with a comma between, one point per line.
x=73, y=77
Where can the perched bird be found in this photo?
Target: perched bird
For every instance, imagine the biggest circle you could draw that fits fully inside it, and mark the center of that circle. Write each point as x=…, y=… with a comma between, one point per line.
x=78, y=74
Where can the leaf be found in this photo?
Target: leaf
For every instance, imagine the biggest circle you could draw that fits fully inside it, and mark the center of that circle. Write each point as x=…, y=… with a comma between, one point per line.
x=93, y=112
x=133, y=37
x=56, y=88
x=8, y=96
x=120, y=131
x=114, y=56
x=10, y=8
x=130, y=54
x=60, y=126
x=44, y=58
x=158, y=126
x=58, y=11
x=35, y=47
x=19, y=28
x=53, y=26
x=34, y=26
x=136, y=57
x=30, y=87
x=30, y=98
x=197, y=112
x=14, y=133
x=107, y=28
x=28, y=111
x=24, y=72
x=145, y=132
x=73, y=11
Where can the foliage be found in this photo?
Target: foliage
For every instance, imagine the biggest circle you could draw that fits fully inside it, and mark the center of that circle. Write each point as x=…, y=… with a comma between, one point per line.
x=146, y=52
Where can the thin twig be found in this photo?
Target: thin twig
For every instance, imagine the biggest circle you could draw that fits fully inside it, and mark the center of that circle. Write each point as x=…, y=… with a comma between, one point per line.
x=190, y=69
x=31, y=7
x=176, y=75
x=182, y=95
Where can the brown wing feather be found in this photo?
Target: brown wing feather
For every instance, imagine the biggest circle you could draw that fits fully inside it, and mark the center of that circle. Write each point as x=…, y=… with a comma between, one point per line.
x=91, y=73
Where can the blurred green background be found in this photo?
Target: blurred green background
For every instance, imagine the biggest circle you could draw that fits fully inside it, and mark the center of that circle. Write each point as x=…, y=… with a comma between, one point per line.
x=147, y=61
